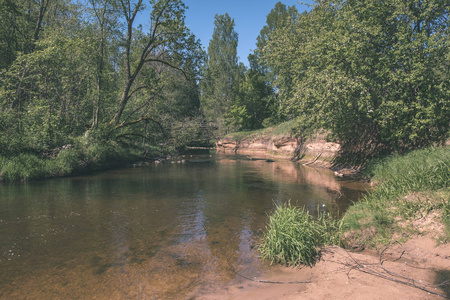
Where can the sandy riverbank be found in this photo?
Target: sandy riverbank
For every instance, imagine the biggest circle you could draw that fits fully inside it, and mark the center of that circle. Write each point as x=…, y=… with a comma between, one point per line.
x=349, y=275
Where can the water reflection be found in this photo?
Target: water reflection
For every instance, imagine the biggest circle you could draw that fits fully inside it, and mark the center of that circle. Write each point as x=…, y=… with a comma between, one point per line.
x=166, y=231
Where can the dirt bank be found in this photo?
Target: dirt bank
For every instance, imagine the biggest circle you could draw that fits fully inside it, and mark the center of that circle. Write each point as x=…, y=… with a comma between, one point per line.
x=414, y=270
x=314, y=152
x=285, y=146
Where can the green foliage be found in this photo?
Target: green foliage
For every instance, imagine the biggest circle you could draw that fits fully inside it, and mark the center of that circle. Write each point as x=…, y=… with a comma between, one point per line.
x=258, y=98
x=22, y=167
x=236, y=117
x=281, y=130
x=61, y=80
x=70, y=161
x=151, y=58
x=293, y=236
x=222, y=72
x=373, y=73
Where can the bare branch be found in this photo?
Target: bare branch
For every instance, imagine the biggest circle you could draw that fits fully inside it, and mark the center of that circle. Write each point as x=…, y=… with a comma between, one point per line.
x=168, y=64
x=145, y=104
x=145, y=119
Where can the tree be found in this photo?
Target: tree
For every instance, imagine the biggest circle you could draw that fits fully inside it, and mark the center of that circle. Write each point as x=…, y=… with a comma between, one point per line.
x=372, y=73
x=20, y=27
x=255, y=106
x=222, y=72
x=168, y=43
x=281, y=19
x=104, y=21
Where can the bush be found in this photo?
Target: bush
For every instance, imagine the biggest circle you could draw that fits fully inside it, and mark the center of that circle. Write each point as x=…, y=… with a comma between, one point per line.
x=293, y=236
x=75, y=160
x=21, y=167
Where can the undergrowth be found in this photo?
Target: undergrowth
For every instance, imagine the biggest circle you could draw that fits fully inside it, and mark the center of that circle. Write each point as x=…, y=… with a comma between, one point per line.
x=293, y=236
x=77, y=159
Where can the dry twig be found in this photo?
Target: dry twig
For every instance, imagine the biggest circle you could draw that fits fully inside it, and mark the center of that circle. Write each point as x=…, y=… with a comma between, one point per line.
x=354, y=264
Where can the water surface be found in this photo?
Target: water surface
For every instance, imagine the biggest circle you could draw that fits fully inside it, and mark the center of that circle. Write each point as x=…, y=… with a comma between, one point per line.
x=156, y=232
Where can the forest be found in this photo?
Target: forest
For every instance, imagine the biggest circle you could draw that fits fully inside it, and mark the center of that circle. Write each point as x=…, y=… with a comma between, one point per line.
x=85, y=87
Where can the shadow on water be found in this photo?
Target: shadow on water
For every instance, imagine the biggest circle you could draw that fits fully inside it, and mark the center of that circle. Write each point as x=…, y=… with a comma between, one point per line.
x=165, y=231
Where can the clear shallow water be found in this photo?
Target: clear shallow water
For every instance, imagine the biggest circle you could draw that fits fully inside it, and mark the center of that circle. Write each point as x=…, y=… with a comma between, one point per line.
x=157, y=232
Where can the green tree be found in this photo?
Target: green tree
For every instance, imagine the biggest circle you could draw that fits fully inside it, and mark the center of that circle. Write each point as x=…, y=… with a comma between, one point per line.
x=20, y=27
x=255, y=106
x=278, y=72
x=104, y=18
x=56, y=91
x=168, y=42
x=374, y=74
x=280, y=17
x=222, y=72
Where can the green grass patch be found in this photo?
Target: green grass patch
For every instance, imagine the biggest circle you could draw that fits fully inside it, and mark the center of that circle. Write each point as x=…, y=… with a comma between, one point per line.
x=293, y=236
x=79, y=159
x=426, y=169
x=407, y=187
x=280, y=130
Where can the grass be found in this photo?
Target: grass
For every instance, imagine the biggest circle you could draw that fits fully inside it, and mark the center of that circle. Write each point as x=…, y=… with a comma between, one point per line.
x=293, y=236
x=280, y=130
x=446, y=221
x=407, y=187
x=81, y=158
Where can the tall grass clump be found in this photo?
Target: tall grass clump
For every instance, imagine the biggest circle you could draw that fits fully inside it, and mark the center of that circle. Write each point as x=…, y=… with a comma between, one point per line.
x=293, y=236
x=446, y=220
x=426, y=169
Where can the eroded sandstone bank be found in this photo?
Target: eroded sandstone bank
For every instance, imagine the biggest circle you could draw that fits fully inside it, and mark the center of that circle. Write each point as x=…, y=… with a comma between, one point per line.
x=317, y=149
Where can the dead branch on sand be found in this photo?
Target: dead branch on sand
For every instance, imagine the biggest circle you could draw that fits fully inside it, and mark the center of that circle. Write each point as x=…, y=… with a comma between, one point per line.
x=353, y=264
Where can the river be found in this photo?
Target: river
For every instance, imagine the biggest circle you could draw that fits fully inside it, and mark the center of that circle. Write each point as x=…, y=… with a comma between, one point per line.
x=165, y=231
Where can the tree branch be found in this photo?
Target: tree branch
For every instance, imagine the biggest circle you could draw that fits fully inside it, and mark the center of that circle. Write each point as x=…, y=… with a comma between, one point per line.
x=168, y=64
x=145, y=104
x=146, y=119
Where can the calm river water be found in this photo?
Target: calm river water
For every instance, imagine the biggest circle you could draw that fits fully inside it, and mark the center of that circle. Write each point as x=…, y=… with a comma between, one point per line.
x=159, y=232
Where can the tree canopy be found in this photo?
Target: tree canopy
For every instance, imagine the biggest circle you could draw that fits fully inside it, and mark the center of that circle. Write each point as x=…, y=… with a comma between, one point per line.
x=68, y=70
x=221, y=70
x=375, y=75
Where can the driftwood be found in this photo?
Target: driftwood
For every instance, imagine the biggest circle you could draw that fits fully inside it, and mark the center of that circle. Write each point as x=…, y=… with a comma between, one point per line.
x=384, y=273
x=269, y=281
x=368, y=268
x=315, y=159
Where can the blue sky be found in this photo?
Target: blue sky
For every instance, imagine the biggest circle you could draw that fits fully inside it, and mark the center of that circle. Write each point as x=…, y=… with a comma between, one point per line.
x=249, y=17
